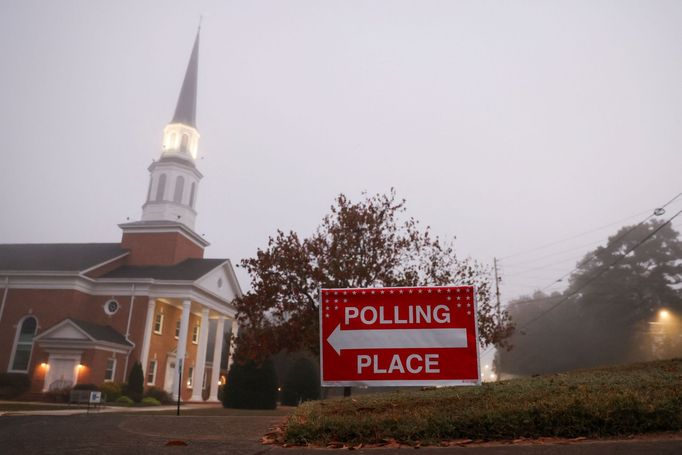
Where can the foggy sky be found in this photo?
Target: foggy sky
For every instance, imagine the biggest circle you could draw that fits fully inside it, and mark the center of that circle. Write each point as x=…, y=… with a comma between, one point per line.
x=507, y=124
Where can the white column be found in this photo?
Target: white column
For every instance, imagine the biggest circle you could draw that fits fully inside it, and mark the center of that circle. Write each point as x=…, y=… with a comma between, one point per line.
x=148, y=325
x=230, y=354
x=217, y=357
x=182, y=347
x=199, y=366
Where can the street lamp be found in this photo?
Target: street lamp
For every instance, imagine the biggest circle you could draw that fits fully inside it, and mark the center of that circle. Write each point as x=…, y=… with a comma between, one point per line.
x=663, y=314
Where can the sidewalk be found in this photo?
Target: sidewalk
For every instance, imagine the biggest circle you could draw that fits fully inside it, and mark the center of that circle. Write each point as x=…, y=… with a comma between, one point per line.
x=77, y=410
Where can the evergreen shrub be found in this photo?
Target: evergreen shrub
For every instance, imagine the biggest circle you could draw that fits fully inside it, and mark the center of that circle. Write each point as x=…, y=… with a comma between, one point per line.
x=135, y=389
x=251, y=386
x=13, y=384
x=302, y=383
x=124, y=400
x=159, y=394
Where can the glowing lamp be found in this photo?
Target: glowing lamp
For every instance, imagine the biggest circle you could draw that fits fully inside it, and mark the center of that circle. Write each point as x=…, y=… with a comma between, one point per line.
x=664, y=314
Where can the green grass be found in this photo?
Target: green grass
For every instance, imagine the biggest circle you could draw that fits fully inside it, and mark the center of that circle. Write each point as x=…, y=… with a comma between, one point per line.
x=611, y=401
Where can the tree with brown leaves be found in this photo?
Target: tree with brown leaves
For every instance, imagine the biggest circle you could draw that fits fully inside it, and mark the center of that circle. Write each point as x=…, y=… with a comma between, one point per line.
x=369, y=243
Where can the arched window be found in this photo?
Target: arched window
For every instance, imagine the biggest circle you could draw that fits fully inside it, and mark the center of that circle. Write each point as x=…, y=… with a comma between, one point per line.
x=179, y=186
x=23, y=343
x=173, y=140
x=191, y=194
x=161, y=187
x=185, y=142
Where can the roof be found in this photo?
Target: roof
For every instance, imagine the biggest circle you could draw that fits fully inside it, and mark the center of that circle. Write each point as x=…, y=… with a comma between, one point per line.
x=187, y=270
x=186, y=110
x=101, y=332
x=61, y=257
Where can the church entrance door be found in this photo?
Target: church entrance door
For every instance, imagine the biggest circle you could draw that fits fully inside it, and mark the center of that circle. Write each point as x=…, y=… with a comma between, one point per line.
x=170, y=373
x=62, y=373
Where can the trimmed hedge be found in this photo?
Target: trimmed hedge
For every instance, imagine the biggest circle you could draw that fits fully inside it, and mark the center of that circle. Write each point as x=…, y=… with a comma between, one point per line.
x=251, y=386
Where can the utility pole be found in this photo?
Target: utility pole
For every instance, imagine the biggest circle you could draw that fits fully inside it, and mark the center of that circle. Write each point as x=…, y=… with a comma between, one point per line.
x=497, y=294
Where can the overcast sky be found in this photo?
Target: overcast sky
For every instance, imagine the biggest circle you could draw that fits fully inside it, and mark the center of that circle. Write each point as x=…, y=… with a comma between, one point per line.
x=507, y=124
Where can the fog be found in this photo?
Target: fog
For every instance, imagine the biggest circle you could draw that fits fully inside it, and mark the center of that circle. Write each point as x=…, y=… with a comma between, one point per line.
x=509, y=125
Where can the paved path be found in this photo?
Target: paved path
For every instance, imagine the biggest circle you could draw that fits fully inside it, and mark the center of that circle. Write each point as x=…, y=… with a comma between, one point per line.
x=104, y=409
x=130, y=434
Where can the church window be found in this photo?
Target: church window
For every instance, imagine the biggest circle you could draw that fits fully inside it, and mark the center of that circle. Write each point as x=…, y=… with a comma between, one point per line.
x=111, y=307
x=158, y=323
x=110, y=370
x=179, y=186
x=161, y=187
x=185, y=142
x=191, y=194
x=173, y=140
x=195, y=334
x=151, y=374
x=23, y=344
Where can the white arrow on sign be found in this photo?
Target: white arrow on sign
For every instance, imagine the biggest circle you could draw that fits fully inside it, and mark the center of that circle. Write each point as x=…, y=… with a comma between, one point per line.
x=397, y=339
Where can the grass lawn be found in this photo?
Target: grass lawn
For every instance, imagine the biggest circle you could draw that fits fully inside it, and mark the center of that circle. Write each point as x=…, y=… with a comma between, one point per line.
x=620, y=400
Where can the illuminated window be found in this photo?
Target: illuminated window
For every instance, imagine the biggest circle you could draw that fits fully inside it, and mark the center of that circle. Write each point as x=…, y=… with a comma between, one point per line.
x=173, y=140
x=185, y=142
x=110, y=370
x=151, y=374
x=158, y=323
x=161, y=187
x=23, y=344
x=177, y=329
x=195, y=334
x=179, y=187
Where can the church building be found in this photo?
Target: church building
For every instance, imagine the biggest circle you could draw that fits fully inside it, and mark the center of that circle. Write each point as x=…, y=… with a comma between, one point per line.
x=85, y=312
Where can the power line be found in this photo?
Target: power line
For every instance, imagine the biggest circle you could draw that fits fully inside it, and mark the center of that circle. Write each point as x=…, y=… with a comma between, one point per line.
x=657, y=212
x=574, y=236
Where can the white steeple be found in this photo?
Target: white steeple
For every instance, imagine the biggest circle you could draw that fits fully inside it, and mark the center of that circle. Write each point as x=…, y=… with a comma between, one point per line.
x=174, y=178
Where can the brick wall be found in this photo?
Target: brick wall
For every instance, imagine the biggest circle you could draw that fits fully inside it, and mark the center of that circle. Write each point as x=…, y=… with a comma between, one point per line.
x=166, y=248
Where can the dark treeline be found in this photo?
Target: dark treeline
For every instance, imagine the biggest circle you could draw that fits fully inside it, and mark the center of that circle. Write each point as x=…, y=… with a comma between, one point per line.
x=629, y=312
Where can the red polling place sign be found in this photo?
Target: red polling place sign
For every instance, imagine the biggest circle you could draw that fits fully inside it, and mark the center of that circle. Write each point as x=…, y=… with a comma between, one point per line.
x=423, y=336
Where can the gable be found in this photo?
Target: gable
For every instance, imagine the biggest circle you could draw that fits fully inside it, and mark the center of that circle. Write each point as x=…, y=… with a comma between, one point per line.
x=68, y=332
x=220, y=283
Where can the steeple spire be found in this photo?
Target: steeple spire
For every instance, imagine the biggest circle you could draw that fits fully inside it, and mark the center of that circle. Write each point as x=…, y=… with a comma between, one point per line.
x=186, y=110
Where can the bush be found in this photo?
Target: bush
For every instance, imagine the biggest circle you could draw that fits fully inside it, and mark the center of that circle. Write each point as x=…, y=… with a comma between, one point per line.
x=302, y=383
x=13, y=384
x=251, y=386
x=149, y=401
x=124, y=400
x=111, y=391
x=59, y=395
x=85, y=387
x=135, y=389
x=160, y=395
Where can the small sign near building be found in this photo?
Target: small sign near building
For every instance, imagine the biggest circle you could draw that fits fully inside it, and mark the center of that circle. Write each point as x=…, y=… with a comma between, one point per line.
x=95, y=397
x=416, y=336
